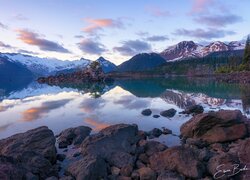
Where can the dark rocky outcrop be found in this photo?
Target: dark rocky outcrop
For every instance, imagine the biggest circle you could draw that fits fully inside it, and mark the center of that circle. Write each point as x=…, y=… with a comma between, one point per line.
x=93, y=73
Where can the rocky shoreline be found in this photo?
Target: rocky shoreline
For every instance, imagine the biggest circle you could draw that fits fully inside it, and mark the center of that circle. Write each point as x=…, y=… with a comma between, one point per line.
x=215, y=145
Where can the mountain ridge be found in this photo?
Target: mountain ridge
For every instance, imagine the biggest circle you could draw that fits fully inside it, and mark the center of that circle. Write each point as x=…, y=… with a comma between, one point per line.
x=190, y=49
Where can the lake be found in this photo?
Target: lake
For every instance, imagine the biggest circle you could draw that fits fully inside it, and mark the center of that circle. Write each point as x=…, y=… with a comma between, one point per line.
x=100, y=105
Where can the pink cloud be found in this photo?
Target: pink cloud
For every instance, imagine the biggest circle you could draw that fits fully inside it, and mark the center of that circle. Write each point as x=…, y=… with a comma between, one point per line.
x=98, y=24
x=35, y=39
x=200, y=6
x=157, y=11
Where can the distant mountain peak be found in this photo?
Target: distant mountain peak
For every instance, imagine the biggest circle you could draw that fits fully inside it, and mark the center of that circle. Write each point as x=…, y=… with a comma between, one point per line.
x=189, y=49
x=106, y=65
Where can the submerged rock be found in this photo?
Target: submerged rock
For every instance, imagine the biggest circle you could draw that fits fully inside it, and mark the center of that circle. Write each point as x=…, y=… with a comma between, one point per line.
x=221, y=126
x=168, y=113
x=146, y=112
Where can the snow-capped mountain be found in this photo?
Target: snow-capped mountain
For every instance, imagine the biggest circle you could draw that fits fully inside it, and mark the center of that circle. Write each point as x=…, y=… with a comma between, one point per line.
x=49, y=66
x=106, y=65
x=189, y=49
x=181, y=50
x=44, y=66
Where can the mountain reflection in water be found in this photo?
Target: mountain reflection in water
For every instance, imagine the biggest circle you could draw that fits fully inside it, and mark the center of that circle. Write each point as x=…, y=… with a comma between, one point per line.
x=99, y=105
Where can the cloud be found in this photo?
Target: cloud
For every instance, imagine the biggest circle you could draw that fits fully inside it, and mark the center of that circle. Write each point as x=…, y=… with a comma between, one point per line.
x=27, y=52
x=92, y=105
x=132, y=47
x=79, y=36
x=218, y=20
x=200, y=6
x=131, y=102
x=32, y=38
x=96, y=125
x=157, y=38
x=142, y=33
x=91, y=47
x=203, y=34
x=38, y=112
x=99, y=24
x=3, y=26
x=7, y=46
x=20, y=17
x=157, y=11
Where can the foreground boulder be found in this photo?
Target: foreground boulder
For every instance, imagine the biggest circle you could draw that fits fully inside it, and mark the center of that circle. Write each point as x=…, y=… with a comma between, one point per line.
x=88, y=168
x=11, y=169
x=73, y=136
x=32, y=153
x=114, y=144
x=180, y=159
x=40, y=140
x=212, y=127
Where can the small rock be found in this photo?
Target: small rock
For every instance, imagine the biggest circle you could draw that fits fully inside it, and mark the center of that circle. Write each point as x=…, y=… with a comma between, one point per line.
x=156, y=116
x=123, y=178
x=170, y=175
x=146, y=112
x=115, y=170
x=166, y=131
x=52, y=178
x=168, y=113
x=154, y=133
x=126, y=171
x=135, y=175
x=144, y=158
x=139, y=164
x=147, y=174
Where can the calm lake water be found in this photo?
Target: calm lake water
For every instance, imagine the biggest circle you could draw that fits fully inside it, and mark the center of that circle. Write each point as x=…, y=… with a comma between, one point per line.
x=100, y=105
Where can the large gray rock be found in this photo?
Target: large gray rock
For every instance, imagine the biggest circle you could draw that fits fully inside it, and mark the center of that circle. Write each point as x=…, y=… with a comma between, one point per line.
x=73, y=136
x=181, y=159
x=110, y=141
x=213, y=127
x=40, y=140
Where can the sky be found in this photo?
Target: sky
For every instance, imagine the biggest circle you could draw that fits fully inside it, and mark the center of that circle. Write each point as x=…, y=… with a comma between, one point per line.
x=116, y=30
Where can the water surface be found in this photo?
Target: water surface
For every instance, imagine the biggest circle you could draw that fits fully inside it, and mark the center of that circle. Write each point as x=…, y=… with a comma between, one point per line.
x=101, y=105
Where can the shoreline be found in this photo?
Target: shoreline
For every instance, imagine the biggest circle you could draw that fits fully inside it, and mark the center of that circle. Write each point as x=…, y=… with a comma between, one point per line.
x=122, y=151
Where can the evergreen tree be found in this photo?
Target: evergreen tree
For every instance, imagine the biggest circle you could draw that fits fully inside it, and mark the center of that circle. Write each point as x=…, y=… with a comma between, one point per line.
x=246, y=59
